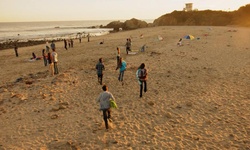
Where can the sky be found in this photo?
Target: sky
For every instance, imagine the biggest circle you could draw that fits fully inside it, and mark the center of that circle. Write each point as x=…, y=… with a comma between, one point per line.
x=67, y=10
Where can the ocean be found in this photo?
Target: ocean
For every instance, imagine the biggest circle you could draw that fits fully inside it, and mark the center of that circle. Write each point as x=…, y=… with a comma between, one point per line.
x=24, y=31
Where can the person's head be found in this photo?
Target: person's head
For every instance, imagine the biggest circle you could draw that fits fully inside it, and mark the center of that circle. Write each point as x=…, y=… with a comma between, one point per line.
x=100, y=60
x=121, y=59
x=142, y=66
x=105, y=88
x=43, y=50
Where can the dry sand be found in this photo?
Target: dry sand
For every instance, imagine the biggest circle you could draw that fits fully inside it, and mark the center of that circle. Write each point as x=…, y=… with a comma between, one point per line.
x=198, y=94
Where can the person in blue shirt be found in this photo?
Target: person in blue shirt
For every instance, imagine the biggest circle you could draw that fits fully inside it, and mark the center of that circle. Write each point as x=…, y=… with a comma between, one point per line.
x=122, y=65
x=53, y=45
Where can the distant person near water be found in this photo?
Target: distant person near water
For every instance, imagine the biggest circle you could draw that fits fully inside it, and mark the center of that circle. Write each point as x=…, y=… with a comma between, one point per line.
x=55, y=61
x=72, y=43
x=44, y=57
x=47, y=47
x=53, y=45
x=51, y=65
x=69, y=43
x=122, y=68
x=99, y=68
x=141, y=75
x=65, y=44
x=80, y=39
x=88, y=37
x=104, y=101
x=16, y=50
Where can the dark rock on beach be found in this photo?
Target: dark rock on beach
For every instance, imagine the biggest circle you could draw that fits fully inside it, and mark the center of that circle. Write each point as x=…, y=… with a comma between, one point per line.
x=127, y=25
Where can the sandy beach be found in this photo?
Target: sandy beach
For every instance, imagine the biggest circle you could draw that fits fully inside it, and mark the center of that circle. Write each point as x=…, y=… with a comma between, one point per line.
x=198, y=94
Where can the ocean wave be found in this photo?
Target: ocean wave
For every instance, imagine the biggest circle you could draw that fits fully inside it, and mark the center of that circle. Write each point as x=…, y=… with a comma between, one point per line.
x=31, y=30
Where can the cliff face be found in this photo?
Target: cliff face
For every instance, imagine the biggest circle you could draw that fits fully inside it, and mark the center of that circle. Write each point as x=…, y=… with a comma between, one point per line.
x=242, y=16
x=207, y=17
x=191, y=18
x=198, y=18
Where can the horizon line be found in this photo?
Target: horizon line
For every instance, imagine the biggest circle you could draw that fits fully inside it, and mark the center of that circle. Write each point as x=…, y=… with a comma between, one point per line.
x=71, y=20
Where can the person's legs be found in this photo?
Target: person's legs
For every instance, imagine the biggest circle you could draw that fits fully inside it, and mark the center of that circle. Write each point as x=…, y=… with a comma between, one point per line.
x=141, y=86
x=145, y=86
x=51, y=68
x=105, y=118
x=98, y=78
x=16, y=53
x=121, y=75
x=45, y=61
x=101, y=78
x=56, y=68
x=118, y=59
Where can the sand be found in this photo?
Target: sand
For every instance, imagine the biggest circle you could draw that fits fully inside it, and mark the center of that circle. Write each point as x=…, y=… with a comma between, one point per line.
x=198, y=94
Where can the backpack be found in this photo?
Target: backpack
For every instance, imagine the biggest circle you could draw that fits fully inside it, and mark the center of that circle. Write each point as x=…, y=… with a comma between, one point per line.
x=142, y=74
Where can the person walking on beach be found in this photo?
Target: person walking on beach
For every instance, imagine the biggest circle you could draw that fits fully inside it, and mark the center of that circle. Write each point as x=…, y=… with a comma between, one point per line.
x=47, y=46
x=104, y=101
x=44, y=57
x=99, y=68
x=128, y=45
x=80, y=38
x=55, y=60
x=122, y=65
x=53, y=45
x=141, y=75
x=88, y=37
x=72, y=43
x=65, y=44
x=16, y=50
x=69, y=43
x=118, y=55
x=51, y=65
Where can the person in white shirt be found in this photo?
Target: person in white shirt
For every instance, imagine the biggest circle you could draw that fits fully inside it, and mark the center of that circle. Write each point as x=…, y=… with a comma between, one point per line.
x=55, y=61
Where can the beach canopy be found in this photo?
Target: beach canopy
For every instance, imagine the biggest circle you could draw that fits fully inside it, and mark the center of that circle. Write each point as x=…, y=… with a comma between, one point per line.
x=189, y=37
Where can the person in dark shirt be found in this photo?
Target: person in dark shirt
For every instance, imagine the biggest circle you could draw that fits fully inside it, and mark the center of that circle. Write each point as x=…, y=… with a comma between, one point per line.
x=99, y=68
x=16, y=50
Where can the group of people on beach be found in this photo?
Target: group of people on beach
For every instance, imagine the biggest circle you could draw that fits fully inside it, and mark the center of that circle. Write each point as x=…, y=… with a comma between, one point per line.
x=106, y=97
x=69, y=43
x=51, y=58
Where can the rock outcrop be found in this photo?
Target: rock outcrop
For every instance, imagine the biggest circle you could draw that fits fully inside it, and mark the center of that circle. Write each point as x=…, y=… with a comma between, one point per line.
x=127, y=25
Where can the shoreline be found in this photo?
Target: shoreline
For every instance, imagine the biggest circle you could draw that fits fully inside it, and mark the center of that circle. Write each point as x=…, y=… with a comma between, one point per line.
x=8, y=44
